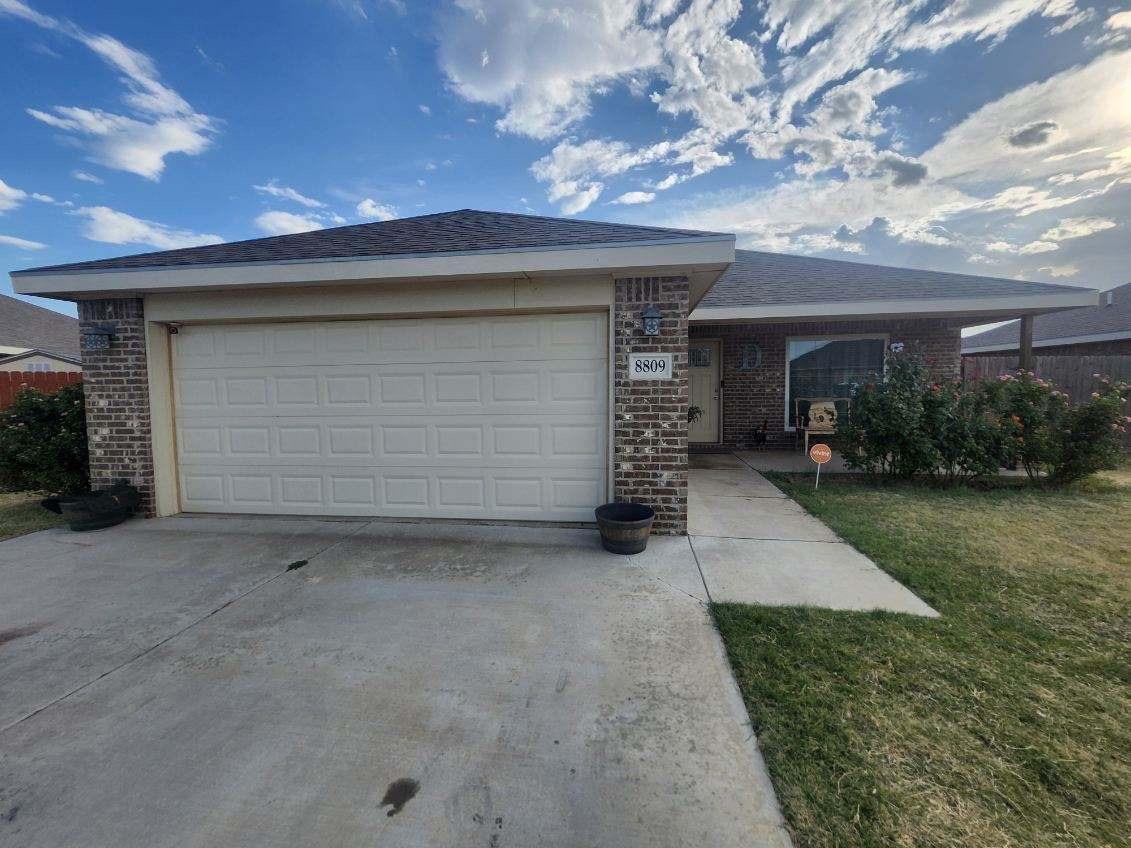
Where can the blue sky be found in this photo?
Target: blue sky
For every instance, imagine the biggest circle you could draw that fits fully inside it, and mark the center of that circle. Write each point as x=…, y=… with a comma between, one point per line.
x=973, y=136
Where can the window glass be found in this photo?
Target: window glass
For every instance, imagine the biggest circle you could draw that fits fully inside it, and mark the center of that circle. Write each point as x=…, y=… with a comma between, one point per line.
x=821, y=369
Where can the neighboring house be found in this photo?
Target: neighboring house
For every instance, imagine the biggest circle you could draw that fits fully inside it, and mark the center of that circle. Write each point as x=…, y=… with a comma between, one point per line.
x=1090, y=330
x=39, y=360
x=36, y=339
x=475, y=364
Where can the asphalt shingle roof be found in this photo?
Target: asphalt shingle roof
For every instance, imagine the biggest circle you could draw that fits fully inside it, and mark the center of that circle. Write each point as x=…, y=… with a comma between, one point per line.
x=25, y=325
x=762, y=279
x=444, y=232
x=1084, y=321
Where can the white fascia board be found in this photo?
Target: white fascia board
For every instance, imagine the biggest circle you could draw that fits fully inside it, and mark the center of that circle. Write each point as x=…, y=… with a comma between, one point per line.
x=1063, y=340
x=907, y=308
x=670, y=255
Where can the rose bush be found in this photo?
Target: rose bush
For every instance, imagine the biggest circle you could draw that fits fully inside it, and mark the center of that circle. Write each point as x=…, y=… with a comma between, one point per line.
x=905, y=425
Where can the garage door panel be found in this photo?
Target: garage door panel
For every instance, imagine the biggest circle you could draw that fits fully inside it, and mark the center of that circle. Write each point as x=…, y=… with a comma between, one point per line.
x=577, y=387
x=491, y=417
x=421, y=340
x=542, y=494
x=462, y=440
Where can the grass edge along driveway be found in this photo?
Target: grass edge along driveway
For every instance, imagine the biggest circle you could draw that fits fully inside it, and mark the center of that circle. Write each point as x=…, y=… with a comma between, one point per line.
x=21, y=513
x=1004, y=723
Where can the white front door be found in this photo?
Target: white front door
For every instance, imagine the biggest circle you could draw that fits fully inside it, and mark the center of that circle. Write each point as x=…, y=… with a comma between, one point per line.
x=479, y=417
x=703, y=367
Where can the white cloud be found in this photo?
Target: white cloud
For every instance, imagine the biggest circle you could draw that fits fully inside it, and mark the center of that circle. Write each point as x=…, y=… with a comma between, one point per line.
x=113, y=227
x=541, y=61
x=163, y=122
x=83, y=176
x=371, y=209
x=287, y=193
x=1071, y=228
x=699, y=65
x=631, y=198
x=1060, y=270
x=278, y=223
x=1029, y=249
x=22, y=244
x=426, y=110
x=10, y=196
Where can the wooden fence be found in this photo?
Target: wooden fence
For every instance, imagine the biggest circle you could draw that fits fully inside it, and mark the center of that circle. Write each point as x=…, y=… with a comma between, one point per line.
x=1070, y=374
x=44, y=381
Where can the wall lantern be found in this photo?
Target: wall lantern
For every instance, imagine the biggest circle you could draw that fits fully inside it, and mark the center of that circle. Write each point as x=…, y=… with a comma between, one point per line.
x=650, y=318
x=97, y=336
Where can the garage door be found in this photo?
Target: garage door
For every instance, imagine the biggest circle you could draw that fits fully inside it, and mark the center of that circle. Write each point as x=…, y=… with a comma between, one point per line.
x=495, y=417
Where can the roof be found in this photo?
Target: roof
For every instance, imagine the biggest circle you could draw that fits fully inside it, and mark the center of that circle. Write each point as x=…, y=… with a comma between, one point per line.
x=16, y=357
x=23, y=324
x=467, y=230
x=758, y=278
x=1073, y=326
x=774, y=285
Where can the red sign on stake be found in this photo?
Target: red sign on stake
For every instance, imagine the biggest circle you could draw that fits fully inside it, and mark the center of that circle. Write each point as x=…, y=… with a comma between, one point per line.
x=820, y=453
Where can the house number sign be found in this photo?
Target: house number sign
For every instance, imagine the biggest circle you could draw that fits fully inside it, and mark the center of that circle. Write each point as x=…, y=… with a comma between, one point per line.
x=649, y=366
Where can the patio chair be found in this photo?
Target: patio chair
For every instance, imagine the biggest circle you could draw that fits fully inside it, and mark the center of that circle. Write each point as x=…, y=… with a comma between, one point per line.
x=814, y=417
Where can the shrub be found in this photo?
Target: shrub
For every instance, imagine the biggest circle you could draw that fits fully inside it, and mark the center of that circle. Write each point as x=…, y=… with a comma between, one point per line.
x=43, y=442
x=1030, y=413
x=1090, y=435
x=884, y=432
x=962, y=429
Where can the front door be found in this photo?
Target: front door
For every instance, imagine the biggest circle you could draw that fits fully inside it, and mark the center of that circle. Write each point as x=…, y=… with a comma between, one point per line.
x=703, y=362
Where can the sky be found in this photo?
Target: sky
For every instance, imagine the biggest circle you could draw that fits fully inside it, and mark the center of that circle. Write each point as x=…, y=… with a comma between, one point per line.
x=973, y=136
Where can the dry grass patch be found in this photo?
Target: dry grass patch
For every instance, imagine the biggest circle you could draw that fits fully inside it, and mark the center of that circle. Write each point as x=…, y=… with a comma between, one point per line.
x=1004, y=723
x=21, y=513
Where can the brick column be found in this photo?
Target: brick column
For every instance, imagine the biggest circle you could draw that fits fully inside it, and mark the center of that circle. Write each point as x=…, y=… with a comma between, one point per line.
x=116, y=384
x=650, y=417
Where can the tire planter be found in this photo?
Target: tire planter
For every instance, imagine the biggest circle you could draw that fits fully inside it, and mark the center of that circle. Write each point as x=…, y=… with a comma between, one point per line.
x=98, y=510
x=624, y=526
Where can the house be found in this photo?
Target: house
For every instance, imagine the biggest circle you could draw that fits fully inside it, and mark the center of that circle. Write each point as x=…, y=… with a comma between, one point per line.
x=471, y=364
x=36, y=339
x=1096, y=329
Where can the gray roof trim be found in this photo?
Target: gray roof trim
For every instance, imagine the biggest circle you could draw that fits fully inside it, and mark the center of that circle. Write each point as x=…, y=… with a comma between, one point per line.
x=390, y=257
x=850, y=308
x=35, y=351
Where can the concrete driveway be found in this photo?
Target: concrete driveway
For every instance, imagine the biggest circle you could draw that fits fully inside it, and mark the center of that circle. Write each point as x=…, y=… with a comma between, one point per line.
x=170, y=683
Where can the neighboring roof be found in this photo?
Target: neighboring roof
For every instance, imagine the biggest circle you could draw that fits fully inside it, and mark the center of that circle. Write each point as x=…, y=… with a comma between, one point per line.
x=1111, y=320
x=766, y=285
x=16, y=357
x=25, y=325
x=467, y=230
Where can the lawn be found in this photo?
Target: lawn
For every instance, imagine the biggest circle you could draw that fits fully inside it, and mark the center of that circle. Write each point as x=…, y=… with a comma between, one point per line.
x=21, y=513
x=1006, y=722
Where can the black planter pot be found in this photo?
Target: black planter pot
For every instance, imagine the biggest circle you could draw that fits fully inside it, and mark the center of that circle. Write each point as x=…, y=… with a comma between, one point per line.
x=100, y=509
x=625, y=526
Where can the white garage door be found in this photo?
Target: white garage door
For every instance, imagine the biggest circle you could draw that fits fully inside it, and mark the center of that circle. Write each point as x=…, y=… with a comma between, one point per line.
x=495, y=417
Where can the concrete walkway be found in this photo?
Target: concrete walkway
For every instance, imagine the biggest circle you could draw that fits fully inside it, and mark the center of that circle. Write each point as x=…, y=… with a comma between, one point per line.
x=755, y=545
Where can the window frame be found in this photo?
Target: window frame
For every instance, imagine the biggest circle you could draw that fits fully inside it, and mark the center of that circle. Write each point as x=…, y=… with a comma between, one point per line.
x=830, y=337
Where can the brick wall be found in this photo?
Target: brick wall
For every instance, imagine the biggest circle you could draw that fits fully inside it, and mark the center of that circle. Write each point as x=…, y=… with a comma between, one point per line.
x=117, y=398
x=756, y=399
x=650, y=417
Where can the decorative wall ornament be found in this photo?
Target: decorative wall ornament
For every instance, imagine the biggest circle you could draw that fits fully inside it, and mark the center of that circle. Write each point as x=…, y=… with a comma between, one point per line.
x=750, y=357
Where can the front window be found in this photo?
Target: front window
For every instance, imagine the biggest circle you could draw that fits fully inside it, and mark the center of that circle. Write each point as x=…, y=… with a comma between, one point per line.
x=829, y=369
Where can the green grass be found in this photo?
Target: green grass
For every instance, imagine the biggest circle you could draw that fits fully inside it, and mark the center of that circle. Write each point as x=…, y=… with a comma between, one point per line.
x=21, y=513
x=1007, y=722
